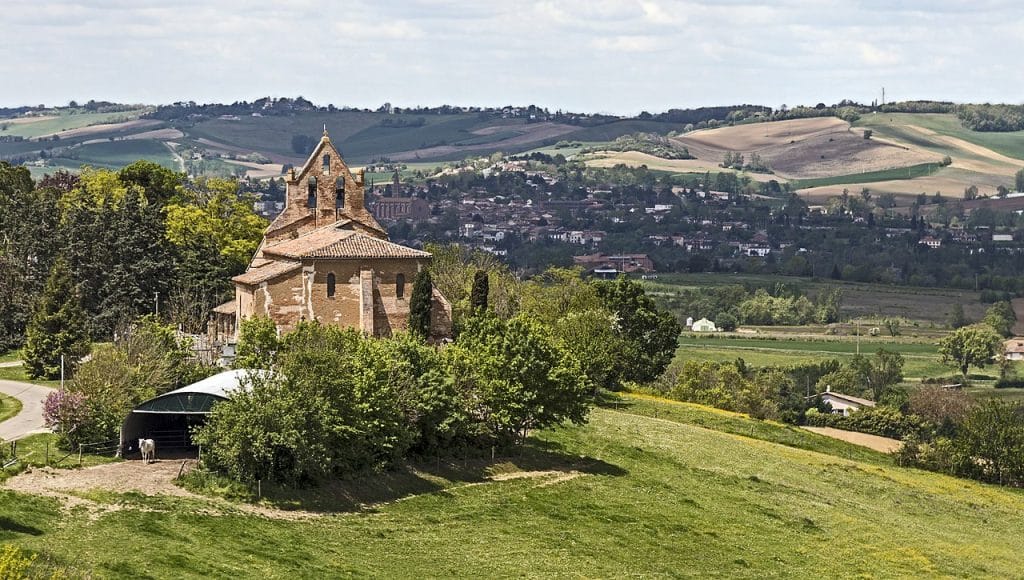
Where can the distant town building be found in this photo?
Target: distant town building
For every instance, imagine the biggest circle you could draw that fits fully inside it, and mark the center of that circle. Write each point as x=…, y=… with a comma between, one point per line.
x=600, y=264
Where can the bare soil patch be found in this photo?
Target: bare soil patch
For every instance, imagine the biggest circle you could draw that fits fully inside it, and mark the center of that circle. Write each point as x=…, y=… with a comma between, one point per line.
x=258, y=170
x=636, y=159
x=533, y=134
x=882, y=444
x=805, y=148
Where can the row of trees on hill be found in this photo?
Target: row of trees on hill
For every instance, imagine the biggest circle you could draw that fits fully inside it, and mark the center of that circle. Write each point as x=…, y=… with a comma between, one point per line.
x=100, y=249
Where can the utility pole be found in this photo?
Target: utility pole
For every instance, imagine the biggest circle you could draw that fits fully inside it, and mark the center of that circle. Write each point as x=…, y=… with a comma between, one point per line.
x=62, y=373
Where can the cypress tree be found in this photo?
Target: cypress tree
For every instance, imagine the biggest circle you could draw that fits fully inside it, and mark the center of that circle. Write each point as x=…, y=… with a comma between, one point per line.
x=58, y=327
x=481, y=287
x=420, y=303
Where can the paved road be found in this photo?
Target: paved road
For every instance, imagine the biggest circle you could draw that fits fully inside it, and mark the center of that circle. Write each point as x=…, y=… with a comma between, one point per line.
x=31, y=416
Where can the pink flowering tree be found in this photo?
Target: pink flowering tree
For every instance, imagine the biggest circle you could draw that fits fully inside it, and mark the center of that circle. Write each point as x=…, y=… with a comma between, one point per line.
x=70, y=415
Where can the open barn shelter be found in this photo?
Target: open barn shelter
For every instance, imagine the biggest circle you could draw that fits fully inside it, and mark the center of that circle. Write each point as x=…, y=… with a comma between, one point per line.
x=169, y=419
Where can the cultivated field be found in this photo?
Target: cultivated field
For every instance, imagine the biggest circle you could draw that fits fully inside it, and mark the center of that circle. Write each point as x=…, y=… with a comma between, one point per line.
x=804, y=148
x=646, y=489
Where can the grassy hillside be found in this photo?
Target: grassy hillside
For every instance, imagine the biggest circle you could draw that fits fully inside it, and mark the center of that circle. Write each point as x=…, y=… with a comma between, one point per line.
x=62, y=120
x=899, y=125
x=630, y=494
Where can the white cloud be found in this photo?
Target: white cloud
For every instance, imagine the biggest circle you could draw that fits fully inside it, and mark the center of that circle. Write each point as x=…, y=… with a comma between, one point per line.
x=664, y=53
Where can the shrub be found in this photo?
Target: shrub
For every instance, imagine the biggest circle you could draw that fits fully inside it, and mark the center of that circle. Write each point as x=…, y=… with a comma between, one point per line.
x=14, y=564
x=72, y=418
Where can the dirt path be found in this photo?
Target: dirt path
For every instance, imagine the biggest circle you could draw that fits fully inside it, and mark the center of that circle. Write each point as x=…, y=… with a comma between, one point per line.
x=155, y=478
x=71, y=486
x=883, y=444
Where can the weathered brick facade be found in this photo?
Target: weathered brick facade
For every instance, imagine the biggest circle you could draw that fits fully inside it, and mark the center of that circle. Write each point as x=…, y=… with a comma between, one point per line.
x=326, y=258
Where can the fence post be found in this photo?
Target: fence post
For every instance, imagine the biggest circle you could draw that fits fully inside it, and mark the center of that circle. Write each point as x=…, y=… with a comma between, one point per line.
x=79, y=454
x=47, y=453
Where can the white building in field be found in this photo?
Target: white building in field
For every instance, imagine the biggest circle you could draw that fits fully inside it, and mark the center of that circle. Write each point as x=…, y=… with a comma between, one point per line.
x=704, y=325
x=843, y=404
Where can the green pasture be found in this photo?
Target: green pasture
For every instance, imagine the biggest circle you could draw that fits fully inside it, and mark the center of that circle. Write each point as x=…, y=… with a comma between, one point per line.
x=920, y=360
x=894, y=125
x=909, y=172
x=117, y=154
x=66, y=120
x=689, y=492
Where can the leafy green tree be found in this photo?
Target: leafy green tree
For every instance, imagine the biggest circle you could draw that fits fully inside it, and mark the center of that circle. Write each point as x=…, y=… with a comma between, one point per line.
x=993, y=436
x=956, y=317
x=420, y=304
x=481, y=286
x=651, y=335
x=725, y=321
x=892, y=325
x=57, y=328
x=258, y=343
x=969, y=346
x=1018, y=180
x=522, y=379
x=1001, y=317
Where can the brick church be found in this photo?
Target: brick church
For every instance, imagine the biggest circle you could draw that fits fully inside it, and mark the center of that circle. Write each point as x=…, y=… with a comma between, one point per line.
x=326, y=258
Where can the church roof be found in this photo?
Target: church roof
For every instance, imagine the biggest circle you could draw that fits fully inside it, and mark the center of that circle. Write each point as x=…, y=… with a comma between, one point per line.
x=340, y=244
x=269, y=270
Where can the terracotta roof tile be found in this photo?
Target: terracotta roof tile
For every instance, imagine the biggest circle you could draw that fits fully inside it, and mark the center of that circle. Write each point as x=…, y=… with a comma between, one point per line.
x=268, y=271
x=334, y=243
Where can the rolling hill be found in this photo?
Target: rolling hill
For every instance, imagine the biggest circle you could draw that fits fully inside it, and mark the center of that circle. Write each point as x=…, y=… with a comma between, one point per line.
x=818, y=156
x=647, y=488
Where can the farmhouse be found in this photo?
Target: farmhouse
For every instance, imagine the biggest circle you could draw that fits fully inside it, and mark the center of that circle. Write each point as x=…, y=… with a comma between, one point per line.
x=843, y=404
x=326, y=258
x=1014, y=348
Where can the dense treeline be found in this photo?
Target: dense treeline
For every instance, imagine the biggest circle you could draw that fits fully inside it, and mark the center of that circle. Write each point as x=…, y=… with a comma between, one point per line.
x=135, y=241
x=992, y=117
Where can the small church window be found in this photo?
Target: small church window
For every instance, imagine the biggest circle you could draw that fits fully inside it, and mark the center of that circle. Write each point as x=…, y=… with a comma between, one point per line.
x=330, y=285
x=311, y=187
x=400, y=286
x=339, y=192
x=327, y=165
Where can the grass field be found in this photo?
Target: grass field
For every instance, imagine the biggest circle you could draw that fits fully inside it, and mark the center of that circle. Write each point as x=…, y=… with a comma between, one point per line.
x=910, y=172
x=117, y=154
x=920, y=360
x=626, y=495
x=18, y=374
x=64, y=121
x=895, y=124
x=9, y=407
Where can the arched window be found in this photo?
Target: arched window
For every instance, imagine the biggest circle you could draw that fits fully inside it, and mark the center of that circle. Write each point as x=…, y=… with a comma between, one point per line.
x=400, y=286
x=311, y=188
x=330, y=285
x=339, y=192
x=327, y=165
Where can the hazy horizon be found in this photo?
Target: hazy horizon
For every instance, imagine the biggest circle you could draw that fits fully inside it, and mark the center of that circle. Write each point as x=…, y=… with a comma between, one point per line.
x=614, y=56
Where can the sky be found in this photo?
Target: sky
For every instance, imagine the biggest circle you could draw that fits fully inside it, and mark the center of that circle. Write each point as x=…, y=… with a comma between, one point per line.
x=613, y=56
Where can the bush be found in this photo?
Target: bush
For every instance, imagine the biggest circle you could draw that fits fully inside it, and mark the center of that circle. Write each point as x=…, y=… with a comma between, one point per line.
x=341, y=403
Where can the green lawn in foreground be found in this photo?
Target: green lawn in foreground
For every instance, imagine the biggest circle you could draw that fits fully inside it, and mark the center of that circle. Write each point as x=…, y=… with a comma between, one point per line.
x=651, y=497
